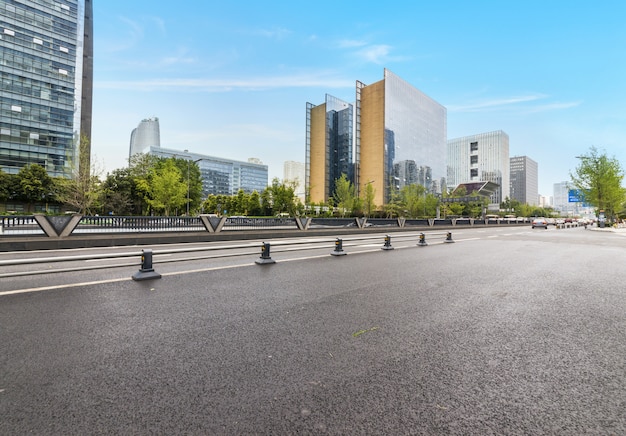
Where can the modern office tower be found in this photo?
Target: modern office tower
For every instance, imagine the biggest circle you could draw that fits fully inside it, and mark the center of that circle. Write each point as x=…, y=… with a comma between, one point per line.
x=483, y=157
x=329, y=132
x=147, y=134
x=524, y=180
x=399, y=139
x=400, y=134
x=561, y=202
x=221, y=176
x=293, y=172
x=46, y=58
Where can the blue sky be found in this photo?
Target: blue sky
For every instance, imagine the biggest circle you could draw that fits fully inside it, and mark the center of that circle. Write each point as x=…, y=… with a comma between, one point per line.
x=232, y=78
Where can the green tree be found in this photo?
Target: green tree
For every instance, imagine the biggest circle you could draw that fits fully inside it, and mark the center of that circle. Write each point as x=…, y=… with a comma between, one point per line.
x=34, y=185
x=279, y=198
x=368, y=199
x=344, y=195
x=83, y=191
x=120, y=194
x=191, y=176
x=254, y=204
x=599, y=178
x=165, y=188
x=414, y=200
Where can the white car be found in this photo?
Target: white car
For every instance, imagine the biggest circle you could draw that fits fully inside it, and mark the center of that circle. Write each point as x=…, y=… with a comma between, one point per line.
x=539, y=222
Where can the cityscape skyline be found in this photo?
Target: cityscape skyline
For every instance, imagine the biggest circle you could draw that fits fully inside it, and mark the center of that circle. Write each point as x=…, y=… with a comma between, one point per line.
x=233, y=79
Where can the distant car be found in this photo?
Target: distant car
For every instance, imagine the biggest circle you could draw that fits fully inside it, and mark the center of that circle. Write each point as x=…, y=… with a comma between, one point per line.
x=539, y=222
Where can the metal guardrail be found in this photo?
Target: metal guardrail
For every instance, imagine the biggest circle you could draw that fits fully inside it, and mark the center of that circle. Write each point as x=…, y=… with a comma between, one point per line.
x=20, y=225
x=63, y=226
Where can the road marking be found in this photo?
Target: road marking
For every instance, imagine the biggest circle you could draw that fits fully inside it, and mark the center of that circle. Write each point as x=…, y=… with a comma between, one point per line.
x=174, y=273
x=493, y=236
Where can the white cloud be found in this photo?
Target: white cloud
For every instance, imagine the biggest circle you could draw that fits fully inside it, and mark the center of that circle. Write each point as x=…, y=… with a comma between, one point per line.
x=494, y=104
x=222, y=85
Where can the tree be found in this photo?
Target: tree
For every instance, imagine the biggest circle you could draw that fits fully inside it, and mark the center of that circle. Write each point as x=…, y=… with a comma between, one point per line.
x=279, y=198
x=599, y=178
x=368, y=198
x=82, y=192
x=165, y=189
x=413, y=198
x=120, y=195
x=345, y=193
x=34, y=185
x=190, y=174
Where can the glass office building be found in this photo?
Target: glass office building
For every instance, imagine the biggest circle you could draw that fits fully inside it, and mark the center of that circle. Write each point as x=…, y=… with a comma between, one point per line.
x=222, y=176
x=329, y=147
x=147, y=134
x=400, y=138
x=524, y=180
x=483, y=157
x=46, y=55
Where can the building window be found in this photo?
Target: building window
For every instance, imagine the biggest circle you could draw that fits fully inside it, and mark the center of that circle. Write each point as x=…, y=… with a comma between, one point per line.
x=474, y=172
x=473, y=146
x=474, y=159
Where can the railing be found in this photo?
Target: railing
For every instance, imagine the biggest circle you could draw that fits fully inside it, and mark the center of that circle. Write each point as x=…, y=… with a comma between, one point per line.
x=137, y=224
x=62, y=226
x=20, y=225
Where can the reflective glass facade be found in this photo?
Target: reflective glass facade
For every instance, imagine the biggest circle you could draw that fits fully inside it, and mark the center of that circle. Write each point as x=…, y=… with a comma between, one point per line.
x=400, y=139
x=46, y=55
x=222, y=176
x=329, y=147
x=482, y=157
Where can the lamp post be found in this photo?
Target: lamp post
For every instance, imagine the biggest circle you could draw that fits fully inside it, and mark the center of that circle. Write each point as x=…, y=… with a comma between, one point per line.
x=368, y=197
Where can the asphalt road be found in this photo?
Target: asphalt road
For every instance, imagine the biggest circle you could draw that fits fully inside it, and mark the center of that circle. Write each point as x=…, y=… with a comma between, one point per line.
x=516, y=332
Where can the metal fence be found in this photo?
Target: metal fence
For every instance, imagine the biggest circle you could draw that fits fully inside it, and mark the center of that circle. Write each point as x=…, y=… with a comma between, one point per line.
x=55, y=226
x=137, y=224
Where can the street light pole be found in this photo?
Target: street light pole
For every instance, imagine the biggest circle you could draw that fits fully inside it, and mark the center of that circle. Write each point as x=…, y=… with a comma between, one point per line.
x=186, y=151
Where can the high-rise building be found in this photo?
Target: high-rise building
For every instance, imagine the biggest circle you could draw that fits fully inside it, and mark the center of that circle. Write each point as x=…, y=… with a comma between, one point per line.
x=399, y=139
x=147, y=134
x=329, y=146
x=524, y=180
x=293, y=172
x=46, y=55
x=483, y=157
x=219, y=175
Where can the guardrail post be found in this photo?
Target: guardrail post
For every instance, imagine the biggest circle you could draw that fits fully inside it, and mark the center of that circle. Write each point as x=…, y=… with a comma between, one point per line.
x=448, y=237
x=265, y=255
x=387, y=245
x=338, y=248
x=422, y=242
x=146, y=272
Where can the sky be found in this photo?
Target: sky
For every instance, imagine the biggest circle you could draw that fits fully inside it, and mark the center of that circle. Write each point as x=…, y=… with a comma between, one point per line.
x=232, y=78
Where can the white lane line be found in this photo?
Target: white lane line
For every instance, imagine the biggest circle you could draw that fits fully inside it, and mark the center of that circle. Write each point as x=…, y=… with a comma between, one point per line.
x=174, y=273
x=493, y=236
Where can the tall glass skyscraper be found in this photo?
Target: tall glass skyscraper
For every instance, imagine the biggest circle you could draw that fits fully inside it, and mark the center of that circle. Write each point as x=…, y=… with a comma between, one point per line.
x=401, y=138
x=481, y=158
x=147, y=134
x=46, y=59
x=329, y=147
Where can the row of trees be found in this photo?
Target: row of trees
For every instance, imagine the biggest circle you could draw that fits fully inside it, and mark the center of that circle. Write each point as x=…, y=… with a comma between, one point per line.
x=149, y=186
x=164, y=186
